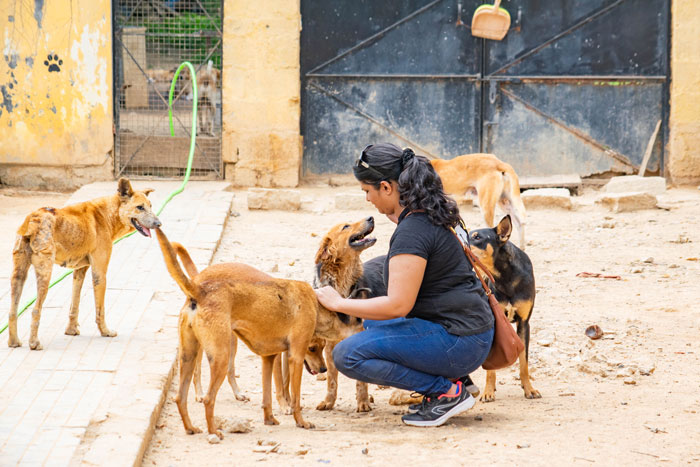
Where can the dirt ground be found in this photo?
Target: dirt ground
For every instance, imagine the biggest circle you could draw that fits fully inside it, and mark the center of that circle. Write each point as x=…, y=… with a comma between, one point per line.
x=632, y=397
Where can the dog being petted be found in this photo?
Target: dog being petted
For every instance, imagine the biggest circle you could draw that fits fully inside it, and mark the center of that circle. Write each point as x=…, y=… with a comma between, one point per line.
x=514, y=288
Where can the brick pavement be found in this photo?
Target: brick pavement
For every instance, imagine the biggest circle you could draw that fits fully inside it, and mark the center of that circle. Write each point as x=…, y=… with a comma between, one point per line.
x=89, y=399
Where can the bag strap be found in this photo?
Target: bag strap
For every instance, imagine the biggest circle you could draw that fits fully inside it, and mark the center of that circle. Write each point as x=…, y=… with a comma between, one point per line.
x=474, y=260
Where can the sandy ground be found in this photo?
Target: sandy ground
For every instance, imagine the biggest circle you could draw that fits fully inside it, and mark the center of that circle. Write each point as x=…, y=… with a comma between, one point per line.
x=630, y=398
x=597, y=406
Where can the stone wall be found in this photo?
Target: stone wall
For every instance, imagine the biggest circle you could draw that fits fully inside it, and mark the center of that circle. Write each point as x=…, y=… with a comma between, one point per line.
x=260, y=88
x=683, y=150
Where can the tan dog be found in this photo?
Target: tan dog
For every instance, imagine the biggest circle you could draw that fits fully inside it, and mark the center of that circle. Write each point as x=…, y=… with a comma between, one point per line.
x=77, y=236
x=494, y=181
x=313, y=360
x=338, y=264
x=207, y=81
x=271, y=316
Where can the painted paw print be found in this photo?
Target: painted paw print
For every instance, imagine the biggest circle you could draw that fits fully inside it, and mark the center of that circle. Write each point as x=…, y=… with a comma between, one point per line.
x=53, y=63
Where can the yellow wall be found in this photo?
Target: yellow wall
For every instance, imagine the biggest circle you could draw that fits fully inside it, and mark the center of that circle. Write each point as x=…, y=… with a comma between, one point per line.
x=684, y=121
x=50, y=117
x=260, y=88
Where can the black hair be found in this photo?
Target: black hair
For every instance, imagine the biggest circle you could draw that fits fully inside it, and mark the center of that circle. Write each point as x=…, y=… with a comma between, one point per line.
x=420, y=187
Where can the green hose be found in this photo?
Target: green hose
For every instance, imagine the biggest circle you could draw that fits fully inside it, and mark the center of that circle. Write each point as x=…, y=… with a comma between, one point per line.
x=179, y=190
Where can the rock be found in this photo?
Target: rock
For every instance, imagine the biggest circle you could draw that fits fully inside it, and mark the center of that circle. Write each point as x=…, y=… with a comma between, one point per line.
x=637, y=270
x=630, y=381
x=274, y=199
x=629, y=183
x=365, y=451
x=351, y=201
x=545, y=339
x=647, y=368
x=233, y=425
x=649, y=260
x=627, y=202
x=547, y=198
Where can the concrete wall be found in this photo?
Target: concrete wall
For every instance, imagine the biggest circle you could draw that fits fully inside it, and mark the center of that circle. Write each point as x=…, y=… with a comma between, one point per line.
x=260, y=89
x=56, y=92
x=684, y=122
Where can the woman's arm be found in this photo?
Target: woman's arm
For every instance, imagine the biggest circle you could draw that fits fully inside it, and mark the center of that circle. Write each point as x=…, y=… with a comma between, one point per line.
x=405, y=277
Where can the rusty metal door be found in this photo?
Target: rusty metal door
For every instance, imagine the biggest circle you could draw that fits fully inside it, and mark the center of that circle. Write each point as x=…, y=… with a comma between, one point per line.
x=578, y=87
x=575, y=86
x=398, y=71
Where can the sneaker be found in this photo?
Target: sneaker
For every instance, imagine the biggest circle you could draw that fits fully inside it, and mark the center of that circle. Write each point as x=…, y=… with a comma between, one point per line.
x=468, y=385
x=436, y=410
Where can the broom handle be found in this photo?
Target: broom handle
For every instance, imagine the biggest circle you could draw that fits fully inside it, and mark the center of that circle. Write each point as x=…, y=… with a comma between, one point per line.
x=496, y=5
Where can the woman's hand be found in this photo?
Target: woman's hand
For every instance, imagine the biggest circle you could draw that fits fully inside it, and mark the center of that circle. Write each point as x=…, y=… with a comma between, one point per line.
x=329, y=297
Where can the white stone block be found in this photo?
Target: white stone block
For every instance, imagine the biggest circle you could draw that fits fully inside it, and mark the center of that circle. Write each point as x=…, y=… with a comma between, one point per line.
x=274, y=199
x=625, y=202
x=547, y=198
x=352, y=201
x=636, y=184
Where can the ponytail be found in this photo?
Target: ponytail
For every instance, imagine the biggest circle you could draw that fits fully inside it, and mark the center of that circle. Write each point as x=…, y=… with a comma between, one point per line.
x=420, y=187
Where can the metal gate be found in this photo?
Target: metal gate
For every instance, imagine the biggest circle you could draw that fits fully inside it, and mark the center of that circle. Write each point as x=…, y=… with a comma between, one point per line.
x=575, y=87
x=151, y=39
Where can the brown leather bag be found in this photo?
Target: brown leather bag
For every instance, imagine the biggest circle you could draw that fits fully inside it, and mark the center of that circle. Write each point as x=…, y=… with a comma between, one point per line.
x=507, y=346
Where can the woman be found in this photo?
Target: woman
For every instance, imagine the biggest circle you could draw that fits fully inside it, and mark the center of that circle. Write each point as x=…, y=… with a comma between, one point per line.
x=429, y=280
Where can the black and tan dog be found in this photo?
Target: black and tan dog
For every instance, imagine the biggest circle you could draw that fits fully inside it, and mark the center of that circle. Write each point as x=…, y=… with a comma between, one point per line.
x=79, y=236
x=270, y=315
x=514, y=289
x=338, y=264
x=494, y=182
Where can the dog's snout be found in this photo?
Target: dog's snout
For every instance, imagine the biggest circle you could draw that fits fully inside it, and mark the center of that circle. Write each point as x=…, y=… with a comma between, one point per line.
x=370, y=219
x=323, y=369
x=157, y=224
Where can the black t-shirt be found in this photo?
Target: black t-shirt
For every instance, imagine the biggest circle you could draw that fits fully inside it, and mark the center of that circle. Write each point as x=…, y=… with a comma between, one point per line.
x=450, y=293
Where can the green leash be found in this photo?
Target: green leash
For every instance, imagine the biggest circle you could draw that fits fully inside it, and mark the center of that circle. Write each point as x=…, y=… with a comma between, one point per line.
x=176, y=192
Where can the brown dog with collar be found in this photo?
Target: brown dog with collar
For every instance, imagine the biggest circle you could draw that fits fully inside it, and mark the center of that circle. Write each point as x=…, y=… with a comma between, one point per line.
x=494, y=181
x=79, y=236
x=271, y=316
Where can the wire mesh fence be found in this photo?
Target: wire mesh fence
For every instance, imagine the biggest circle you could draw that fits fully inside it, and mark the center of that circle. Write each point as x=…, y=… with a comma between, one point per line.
x=152, y=38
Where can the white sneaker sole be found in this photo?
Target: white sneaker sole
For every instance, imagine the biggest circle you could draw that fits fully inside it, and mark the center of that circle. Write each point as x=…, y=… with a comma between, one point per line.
x=456, y=410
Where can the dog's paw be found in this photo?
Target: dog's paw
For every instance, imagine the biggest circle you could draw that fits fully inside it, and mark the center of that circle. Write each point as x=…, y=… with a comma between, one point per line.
x=14, y=342
x=271, y=420
x=363, y=406
x=533, y=394
x=241, y=397
x=72, y=330
x=192, y=430
x=35, y=345
x=325, y=405
x=198, y=398
x=321, y=377
x=306, y=425
x=488, y=397
x=401, y=397
x=107, y=333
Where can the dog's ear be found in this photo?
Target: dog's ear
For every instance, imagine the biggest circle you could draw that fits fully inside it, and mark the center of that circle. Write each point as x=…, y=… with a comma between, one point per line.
x=124, y=188
x=148, y=191
x=325, y=251
x=504, y=229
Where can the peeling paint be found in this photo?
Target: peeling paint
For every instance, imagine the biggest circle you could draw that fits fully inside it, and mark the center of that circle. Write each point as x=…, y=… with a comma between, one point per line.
x=6, y=100
x=38, y=11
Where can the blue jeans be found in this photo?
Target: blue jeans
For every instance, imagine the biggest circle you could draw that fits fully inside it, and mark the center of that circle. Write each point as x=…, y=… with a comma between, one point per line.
x=412, y=354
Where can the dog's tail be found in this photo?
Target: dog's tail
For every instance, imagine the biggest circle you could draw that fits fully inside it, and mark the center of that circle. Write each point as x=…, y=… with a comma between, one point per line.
x=185, y=259
x=171, y=262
